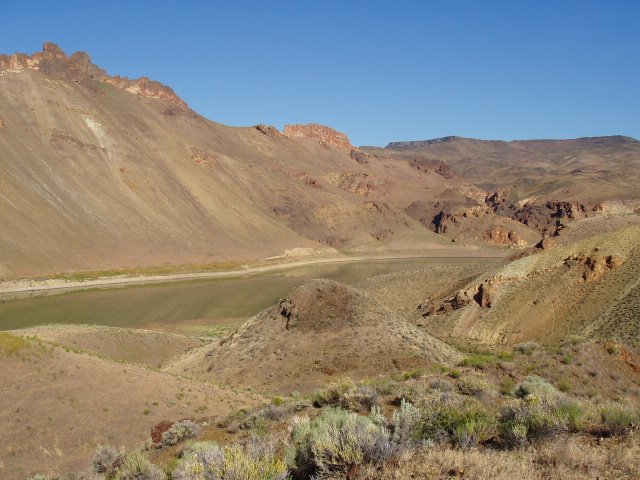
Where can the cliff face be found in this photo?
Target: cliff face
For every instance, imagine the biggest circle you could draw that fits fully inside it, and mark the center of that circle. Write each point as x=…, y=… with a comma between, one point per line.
x=79, y=67
x=324, y=134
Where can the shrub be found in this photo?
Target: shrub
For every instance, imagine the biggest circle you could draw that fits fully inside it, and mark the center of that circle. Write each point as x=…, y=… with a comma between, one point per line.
x=334, y=442
x=278, y=401
x=479, y=360
x=207, y=460
x=405, y=423
x=614, y=349
x=106, y=460
x=507, y=386
x=616, y=417
x=448, y=416
x=526, y=348
x=135, y=466
x=441, y=384
x=564, y=385
x=471, y=385
x=413, y=374
x=540, y=412
x=180, y=431
x=346, y=394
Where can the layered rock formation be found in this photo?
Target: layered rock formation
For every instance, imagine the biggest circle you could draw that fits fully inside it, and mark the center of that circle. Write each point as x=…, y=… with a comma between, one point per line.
x=53, y=60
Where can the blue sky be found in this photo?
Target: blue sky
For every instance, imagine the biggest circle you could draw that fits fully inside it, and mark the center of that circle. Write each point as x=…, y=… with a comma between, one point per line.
x=377, y=70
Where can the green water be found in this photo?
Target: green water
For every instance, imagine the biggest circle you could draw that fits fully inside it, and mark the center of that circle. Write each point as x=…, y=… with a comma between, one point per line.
x=187, y=301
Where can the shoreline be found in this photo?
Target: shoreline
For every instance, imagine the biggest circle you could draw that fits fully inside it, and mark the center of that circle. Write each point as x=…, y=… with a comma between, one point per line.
x=28, y=285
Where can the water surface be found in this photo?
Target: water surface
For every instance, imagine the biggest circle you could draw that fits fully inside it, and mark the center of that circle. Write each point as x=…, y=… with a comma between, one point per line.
x=170, y=306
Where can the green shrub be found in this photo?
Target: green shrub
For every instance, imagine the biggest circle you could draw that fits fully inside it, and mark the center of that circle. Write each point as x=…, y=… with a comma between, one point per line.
x=278, y=401
x=614, y=349
x=541, y=411
x=413, y=374
x=472, y=385
x=479, y=360
x=526, y=348
x=207, y=460
x=180, y=431
x=507, y=385
x=564, y=385
x=616, y=417
x=136, y=466
x=346, y=394
x=335, y=442
x=448, y=416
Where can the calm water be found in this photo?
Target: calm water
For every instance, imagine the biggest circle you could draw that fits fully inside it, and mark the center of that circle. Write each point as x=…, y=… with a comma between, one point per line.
x=168, y=305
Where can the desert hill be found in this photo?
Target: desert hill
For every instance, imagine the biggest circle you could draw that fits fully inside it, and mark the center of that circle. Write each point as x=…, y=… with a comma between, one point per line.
x=586, y=288
x=319, y=330
x=102, y=172
x=588, y=170
x=58, y=404
x=543, y=184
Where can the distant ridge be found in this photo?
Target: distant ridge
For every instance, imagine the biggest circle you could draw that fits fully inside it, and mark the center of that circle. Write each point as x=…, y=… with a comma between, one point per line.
x=419, y=143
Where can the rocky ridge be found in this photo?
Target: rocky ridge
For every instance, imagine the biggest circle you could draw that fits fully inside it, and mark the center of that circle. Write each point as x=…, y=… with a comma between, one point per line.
x=53, y=60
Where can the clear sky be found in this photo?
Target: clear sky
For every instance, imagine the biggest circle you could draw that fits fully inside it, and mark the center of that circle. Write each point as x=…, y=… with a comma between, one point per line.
x=377, y=70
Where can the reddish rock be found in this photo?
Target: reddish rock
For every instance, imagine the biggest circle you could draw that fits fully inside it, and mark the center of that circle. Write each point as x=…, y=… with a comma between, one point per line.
x=321, y=133
x=158, y=430
x=54, y=61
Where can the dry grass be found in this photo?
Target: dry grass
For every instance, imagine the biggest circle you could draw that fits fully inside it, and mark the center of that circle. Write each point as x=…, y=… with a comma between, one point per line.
x=565, y=458
x=11, y=343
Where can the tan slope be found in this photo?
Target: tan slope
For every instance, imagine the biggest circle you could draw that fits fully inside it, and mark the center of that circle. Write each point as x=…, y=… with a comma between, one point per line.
x=98, y=172
x=144, y=347
x=586, y=288
x=322, y=329
x=57, y=405
x=589, y=170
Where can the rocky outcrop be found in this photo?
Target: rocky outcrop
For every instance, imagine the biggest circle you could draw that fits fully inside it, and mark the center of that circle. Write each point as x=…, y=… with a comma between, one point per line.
x=146, y=87
x=359, y=183
x=546, y=218
x=500, y=236
x=593, y=265
x=359, y=156
x=419, y=143
x=321, y=133
x=442, y=221
x=203, y=158
x=268, y=130
x=481, y=295
x=79, y=67
x=423, y=164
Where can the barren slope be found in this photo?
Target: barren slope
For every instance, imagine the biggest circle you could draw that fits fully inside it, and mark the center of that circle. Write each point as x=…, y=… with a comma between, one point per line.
x=588, y=170
x=56, y=406
x=144, y=347
x=100, y=172
x=586, y=287
x=320, y=330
